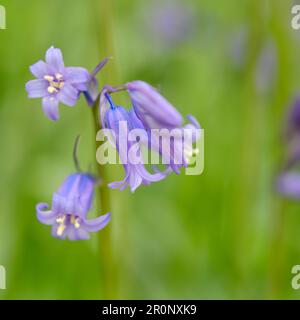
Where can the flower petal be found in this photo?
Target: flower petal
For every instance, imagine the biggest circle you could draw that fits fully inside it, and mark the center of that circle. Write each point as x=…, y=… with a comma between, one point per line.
x=44, y=215
x=151, y=177
x=50, y=108
x=55, y=59
x=81, y=234
x=39, y=69
x=152, y=108
x=289, y=185
x=99, y=66
x=97, y=224
x=194, y=126
x=76, y=75
x=54, y=232
x=123, y=183
x=91, y=93
x=68, y=95
x=37, y=88
x=135, y=180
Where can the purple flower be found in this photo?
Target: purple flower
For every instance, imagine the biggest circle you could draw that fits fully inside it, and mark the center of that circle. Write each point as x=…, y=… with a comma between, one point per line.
x=152, y=108
x=155, y=112
x=266, y=68
x=135, y=174
x=169, y=22
x=70, y=205
x=289, y=185
x=56, y=83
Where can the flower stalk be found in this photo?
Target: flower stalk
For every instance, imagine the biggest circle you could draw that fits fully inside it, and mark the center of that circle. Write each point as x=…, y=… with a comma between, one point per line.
x=105, y=238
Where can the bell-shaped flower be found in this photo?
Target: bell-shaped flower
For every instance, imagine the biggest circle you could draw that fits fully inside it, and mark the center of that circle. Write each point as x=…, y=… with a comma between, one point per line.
x=70, y=206
x=112, y=118
x=56, y=83
x=155, y=112
x=152, y=108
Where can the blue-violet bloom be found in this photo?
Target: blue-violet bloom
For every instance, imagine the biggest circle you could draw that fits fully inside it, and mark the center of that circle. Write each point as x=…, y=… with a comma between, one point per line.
x=288, y=184
x=152, y=108
x=135, y=174
x=155, y=112
x=70, y=205
x=56, y=83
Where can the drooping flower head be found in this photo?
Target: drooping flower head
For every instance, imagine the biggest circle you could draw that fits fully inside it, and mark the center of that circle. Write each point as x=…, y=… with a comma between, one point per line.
x=56, y=83
x=70, y=206
x=156, y=112
x=112, y=118
x=163, y=133
x=152, y=108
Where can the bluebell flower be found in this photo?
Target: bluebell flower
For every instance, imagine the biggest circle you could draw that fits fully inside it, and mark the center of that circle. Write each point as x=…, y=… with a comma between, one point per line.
x=169, y=22
x=135, y=174
x=152, y=108
x=288, y=184
x=266, y=70
x=70, y=206
x=56, y=83
x=156, y=112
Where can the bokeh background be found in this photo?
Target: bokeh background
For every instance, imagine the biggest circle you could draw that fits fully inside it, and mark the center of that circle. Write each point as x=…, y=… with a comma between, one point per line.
x=225, y=234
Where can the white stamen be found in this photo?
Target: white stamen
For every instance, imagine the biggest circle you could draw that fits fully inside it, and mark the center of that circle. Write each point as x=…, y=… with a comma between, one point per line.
x=48, y=78
x=61, y=221
x=60, y=229
x=75, y=221
x=52, y=89
x=58, y=76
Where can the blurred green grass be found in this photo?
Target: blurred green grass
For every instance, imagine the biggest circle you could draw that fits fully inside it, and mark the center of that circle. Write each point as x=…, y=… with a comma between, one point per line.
x=208, y=236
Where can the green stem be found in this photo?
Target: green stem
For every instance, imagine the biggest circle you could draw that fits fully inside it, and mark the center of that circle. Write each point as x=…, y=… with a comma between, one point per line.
x=105, y=237
x=103, y=24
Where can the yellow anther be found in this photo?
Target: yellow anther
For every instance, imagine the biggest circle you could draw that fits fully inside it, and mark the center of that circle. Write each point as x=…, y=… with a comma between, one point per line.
x=52, y=89
x=75, y=221
x=60, y=229
x=57, y=85
x=61, y=221
x=77, y=224
x=48, y=78
x=61, y=84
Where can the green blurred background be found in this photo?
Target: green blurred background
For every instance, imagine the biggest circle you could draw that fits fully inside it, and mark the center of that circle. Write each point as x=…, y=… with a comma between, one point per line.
x=234, y=64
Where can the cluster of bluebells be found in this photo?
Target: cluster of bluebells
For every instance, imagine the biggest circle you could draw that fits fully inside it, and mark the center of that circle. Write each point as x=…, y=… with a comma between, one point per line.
x=56, y=84
x=149, y=111
x=288, y=183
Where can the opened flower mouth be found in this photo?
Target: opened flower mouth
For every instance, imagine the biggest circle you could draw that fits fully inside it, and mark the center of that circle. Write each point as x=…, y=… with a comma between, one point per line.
x=56, y=83
x=70, y=206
